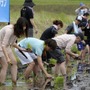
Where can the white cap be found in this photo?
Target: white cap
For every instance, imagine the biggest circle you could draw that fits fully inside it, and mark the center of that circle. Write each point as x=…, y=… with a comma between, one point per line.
x=79, y=18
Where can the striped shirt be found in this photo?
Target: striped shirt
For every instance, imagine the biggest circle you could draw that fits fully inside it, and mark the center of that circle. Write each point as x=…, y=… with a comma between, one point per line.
x=65, y=41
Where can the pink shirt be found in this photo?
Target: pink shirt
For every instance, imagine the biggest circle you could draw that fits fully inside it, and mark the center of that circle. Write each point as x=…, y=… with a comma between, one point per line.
x=7, y=38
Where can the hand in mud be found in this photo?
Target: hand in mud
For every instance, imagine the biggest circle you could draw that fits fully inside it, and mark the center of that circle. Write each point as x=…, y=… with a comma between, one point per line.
x=79, y=58
x=76, y=55
x=49, y=76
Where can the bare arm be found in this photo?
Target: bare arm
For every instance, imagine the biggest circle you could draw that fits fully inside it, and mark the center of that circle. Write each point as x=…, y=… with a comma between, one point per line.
x=77, y=10
x=71, y=54
x=16, y=46
x=68, y=49
x=20, y=48
x=5, y=53
x=42, y=67
x=33, y=23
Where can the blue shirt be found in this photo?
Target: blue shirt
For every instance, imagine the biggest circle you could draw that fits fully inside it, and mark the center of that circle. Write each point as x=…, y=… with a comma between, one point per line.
x=37, y=45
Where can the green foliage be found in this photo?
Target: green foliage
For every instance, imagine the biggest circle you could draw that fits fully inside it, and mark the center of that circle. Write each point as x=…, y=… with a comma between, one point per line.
x=46, y=11
x=52, y=61
x=29, y=80
x=74, y=49
x=29, y=46
x=58, y=82
x=50, y=2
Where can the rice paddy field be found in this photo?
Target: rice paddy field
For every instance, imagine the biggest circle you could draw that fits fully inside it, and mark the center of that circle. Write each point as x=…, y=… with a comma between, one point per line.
x=45, y=12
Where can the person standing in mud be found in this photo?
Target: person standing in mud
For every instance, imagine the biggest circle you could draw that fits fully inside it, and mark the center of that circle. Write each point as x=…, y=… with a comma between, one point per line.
x=28, y=12
x=82, y=9
x=8, y=37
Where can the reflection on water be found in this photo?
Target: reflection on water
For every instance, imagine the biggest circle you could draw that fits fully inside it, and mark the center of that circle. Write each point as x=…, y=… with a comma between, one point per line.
x=20, y=83
x=12, y=88
x=24, y=86
x=20, y=86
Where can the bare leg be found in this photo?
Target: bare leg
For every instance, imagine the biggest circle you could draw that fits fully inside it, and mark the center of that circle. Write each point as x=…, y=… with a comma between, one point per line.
x=36, y=69
x=63, y=71
x=13, y=68
x=63, y=68
x=14, y=73
x=83, y=52
x=28, y=70
x=56, y=72
x=60, y=67
x=67, y=59
x=4, y=67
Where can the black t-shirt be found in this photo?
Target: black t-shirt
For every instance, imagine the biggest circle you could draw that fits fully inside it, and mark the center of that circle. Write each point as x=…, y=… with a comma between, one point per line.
x=84, y=20
x=27, y=12
x=48, y=33
x=86, y=31
x=70, y=29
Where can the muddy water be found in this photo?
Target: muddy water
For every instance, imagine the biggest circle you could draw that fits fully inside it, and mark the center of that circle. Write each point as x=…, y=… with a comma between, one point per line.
x=40, y=83
x=22, y=85
x=13, y=88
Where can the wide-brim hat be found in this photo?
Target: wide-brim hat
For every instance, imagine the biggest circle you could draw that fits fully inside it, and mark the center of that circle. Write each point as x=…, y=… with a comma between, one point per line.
x=29, y=3
x=82, y=4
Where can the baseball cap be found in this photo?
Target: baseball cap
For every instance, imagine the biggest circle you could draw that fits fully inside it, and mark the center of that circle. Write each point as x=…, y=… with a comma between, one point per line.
x=81, y=35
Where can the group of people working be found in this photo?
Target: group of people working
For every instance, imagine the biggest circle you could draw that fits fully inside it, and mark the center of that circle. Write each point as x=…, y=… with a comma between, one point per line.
x=33, y=51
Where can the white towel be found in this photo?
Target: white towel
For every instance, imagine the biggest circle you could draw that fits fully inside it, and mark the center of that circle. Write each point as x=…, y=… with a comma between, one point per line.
x=76, y=28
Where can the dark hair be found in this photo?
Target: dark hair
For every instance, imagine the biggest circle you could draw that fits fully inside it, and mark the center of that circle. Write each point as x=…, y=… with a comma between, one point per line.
x=51, y=43
x=86, y=14
x=81, y=35
x=58, y=22
x=18, y=27
x=89, y=21
x=82, y=24
x=29, y=3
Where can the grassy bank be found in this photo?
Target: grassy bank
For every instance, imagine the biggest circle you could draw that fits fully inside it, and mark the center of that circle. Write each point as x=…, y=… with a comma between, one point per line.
x=46, y=11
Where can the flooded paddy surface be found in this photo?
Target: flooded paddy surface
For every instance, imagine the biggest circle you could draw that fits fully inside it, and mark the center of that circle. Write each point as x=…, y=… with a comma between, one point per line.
x=82, y=84
x=21, y=85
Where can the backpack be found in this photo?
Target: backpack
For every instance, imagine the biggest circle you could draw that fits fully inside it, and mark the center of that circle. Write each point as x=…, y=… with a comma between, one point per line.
x=23, y=12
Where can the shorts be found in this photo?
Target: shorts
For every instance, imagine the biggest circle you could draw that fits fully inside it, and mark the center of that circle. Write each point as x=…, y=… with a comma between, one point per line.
x=30, y=32
x=80, y=46
x=25, y=57
x=87, y=42
x=57, y=54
